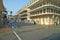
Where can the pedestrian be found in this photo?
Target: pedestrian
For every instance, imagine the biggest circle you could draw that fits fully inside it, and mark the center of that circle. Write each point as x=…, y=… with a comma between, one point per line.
x=14, y=25
x=55, y=23
x=34, y=22
x=7, y=21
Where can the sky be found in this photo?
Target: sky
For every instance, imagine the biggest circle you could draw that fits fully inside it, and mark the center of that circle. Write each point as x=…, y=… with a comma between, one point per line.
x=14, y=5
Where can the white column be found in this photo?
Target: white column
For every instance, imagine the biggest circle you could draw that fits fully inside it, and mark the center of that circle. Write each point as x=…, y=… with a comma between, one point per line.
x=57, y=20
x=28, y=16
x=53, y=17
x=46, y=10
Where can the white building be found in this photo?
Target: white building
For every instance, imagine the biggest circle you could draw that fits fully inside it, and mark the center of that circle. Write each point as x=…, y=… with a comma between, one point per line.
x=44, y=12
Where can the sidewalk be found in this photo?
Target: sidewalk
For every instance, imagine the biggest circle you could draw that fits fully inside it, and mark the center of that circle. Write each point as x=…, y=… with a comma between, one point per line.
x=6, y=29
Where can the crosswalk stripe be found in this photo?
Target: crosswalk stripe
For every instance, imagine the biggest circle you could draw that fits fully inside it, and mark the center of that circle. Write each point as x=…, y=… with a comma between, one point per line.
x=16, y=35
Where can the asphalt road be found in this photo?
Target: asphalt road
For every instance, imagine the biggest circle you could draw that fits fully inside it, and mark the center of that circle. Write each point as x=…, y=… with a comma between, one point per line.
x=27, y=31
x=11, y=35
x=8, y=36
x=37, y=32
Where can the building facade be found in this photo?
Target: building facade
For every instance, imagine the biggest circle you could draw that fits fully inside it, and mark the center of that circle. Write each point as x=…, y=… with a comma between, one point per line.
x=23, y=15
x=3, y=14
x=44, y=12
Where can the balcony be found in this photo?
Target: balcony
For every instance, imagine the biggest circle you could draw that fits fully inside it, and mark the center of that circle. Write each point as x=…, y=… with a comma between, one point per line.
x=32, y=3
x=23, y=14
x=24, y=17
x=43, y=14
x=46, y=5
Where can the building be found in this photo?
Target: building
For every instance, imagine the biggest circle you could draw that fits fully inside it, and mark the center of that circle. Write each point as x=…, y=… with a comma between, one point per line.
x=11, y=18
x=3, y=14
x=2, y=8
x=23, y=14
x=44, y=12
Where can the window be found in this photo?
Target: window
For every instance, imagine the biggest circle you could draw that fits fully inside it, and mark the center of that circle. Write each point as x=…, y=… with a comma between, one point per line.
x=40, y=5
x=44, y=3
x=40, y=11
x=47, y=2
x=44, y=10
x=48, y=9
x=58, y=12
x=51, y=10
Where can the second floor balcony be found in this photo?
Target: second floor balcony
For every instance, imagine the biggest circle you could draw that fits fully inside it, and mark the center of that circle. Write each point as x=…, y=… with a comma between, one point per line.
x=46, y=5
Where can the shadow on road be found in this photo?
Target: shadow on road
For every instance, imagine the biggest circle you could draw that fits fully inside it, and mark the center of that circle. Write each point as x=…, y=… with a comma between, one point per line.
x=52, y=37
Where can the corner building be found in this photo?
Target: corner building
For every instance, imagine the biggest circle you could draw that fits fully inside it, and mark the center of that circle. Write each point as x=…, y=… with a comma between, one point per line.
x=45, y=12
x=23, y=14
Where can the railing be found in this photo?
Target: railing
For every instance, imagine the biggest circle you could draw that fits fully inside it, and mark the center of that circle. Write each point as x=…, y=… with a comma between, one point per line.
x=44, y=6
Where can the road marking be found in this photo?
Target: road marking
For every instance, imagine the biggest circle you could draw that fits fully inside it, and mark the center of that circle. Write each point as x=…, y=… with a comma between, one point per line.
x=17, y=35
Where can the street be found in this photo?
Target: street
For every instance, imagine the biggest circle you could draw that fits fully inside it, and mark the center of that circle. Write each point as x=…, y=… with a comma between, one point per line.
x=29, y=19
x=27, y=31
x=35, y=32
